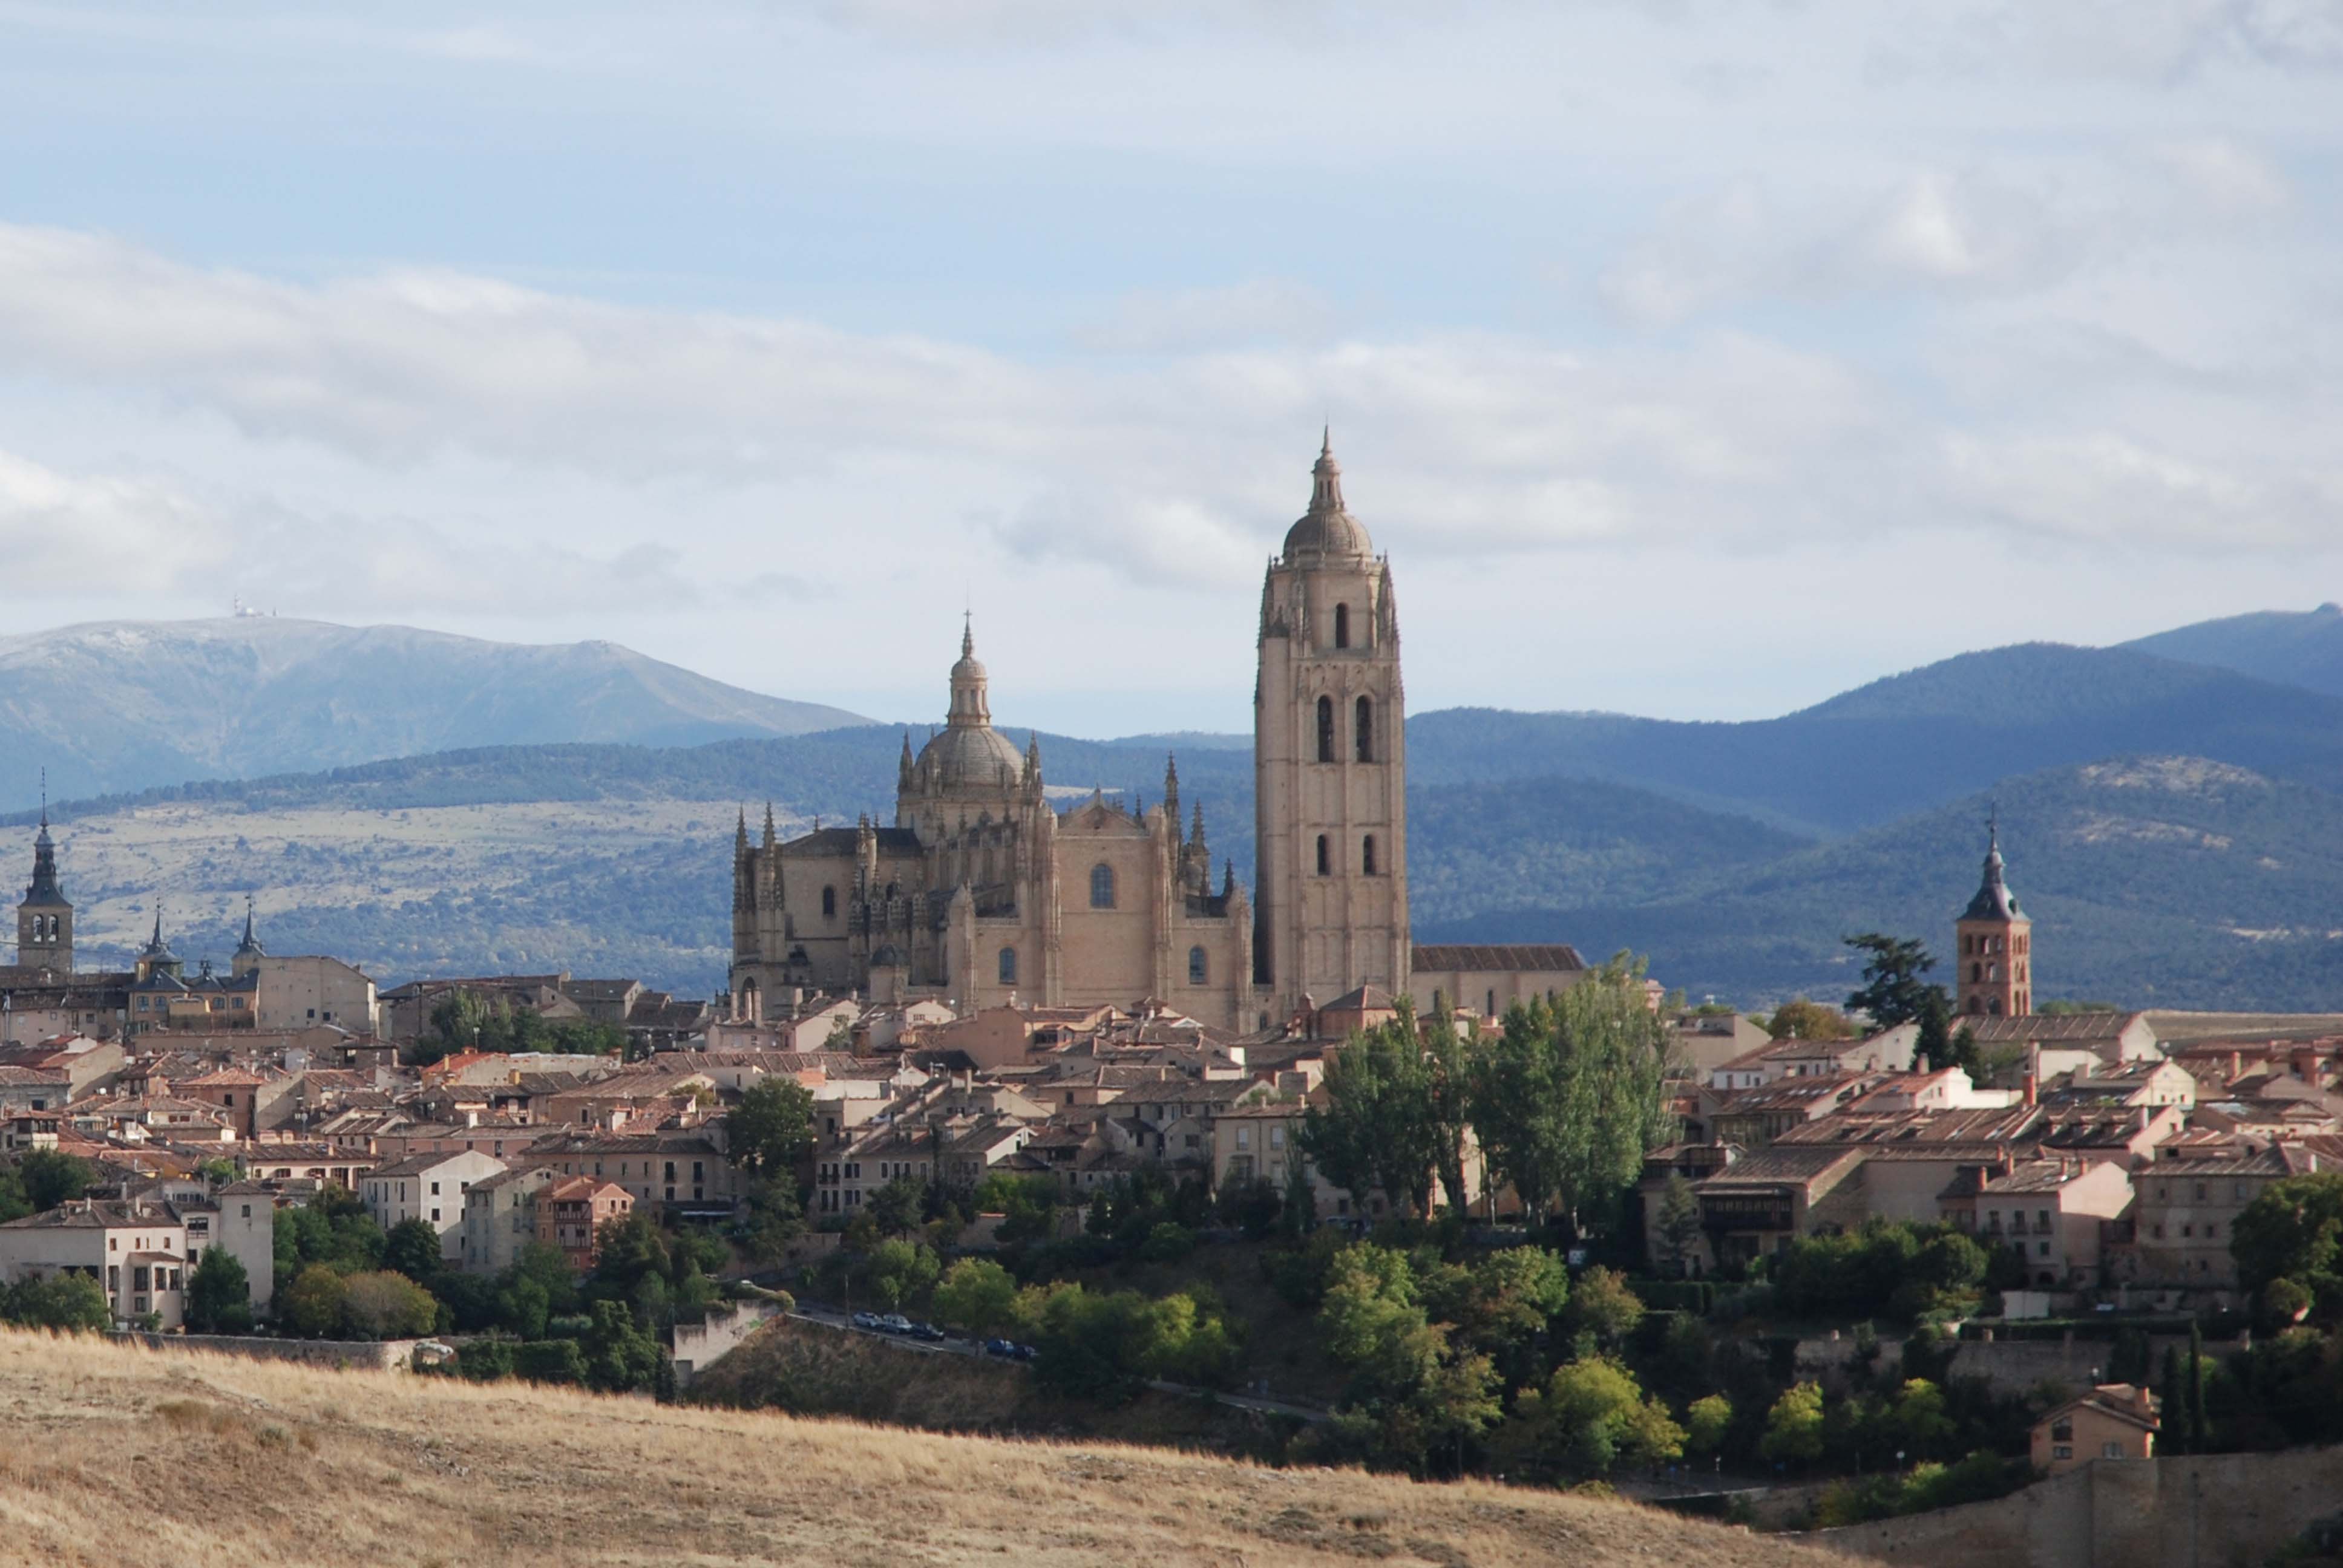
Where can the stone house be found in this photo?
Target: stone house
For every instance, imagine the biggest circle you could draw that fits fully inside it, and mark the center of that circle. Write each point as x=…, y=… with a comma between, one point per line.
x=2114, y=1421
x=571, y=1212
x=136, y=1251
x=431, y=1188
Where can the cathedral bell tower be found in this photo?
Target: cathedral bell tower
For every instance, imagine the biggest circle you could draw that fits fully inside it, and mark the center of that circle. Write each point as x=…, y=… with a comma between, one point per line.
x=1330, y=762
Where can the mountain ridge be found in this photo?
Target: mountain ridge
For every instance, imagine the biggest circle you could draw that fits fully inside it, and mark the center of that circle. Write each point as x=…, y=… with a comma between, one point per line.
x=107, y=706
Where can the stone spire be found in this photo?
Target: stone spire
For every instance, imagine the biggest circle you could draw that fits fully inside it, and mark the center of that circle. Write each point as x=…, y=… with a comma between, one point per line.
x=250, y=946
x=1171, y=793
x=771, y=837
x=740, y=834
x=1326, y=475
x=1994, y=900
x=904, y=768
x=971, y=707
x=44, y=889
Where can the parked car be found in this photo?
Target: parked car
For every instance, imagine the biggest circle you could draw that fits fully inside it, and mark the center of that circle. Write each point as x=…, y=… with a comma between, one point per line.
x=927, y=1332
x=867, y=1321
x=895, y=1323
x=1000, y=1348
x=1023, y=1352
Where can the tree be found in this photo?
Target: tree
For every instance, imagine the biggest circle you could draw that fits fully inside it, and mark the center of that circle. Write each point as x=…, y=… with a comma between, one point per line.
x=2294, y=1231
x=896, y=1209
x=1570, y=1095
x=66, y=1302
x=1028, y=1205
x=1603, y=1307
x=220, y=1294
x=774, y=1220
x=1799, y=1018
x=619, y=1354
x=1793, y=1427
x=412, y=1248
x=1376, y=1129
x=898, y=1270
x=1676, y=1222
x=1591, y=1416
x=14, y=1204
x=311, y=1306
x=1893, y=993
x=386, y=1305
x=771, y=1127
x=51, y=1178
x=979, y=1295
x=1706, y=1421
x=1448, y=1100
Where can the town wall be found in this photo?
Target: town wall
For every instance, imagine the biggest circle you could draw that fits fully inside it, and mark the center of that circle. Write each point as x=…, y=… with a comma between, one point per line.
x=2010, y=1366
x=699, y=1346
x=2213, y=1511
x=362, y=1355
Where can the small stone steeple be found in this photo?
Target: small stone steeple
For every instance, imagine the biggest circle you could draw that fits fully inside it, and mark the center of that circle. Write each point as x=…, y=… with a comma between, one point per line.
x=969, y=704
x=248, y=952
x=1993, y=942
x=45, y=918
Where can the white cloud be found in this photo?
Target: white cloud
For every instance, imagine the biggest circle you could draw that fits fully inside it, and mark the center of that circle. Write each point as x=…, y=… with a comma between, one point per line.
x=1259, y=310
x=141, y=537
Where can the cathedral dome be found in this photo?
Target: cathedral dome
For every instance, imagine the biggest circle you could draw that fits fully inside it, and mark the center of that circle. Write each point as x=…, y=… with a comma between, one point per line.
x=966, y=754
x=1327, y=528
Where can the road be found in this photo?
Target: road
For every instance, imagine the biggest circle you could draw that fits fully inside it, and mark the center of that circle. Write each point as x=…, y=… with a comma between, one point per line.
x=824, y=1317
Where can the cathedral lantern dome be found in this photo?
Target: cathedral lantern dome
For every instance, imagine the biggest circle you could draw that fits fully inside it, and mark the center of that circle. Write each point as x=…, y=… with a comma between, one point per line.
x=1327, y=530
x=969, y=753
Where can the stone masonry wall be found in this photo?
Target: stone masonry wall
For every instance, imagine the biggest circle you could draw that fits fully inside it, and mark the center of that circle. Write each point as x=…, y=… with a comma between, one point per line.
x=2217, y=1511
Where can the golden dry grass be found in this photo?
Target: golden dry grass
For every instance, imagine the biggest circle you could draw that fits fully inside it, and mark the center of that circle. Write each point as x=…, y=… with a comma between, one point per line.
x=114, y=1454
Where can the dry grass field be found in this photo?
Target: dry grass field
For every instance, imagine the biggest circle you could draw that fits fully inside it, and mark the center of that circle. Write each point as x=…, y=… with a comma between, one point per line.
x=112, y=1454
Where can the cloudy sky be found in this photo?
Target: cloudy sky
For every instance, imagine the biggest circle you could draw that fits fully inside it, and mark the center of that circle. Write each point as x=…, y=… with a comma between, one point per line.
x=1689, y=360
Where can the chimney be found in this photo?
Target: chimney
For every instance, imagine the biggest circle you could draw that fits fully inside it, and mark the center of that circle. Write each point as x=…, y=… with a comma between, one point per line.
x=2033, y=1075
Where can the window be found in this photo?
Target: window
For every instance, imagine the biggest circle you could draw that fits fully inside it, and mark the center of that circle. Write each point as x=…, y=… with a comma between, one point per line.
x=1101, y=887
x=1325, y=730
x=1198, y=966
x=1367, y=855
x=1362, y=729
x=2062, y=1450
x=2111, y=1450
x=2062, y=1432
x=1276, y=1136
x=1009, y=966
x=1244, y=1137
x=1341, y=625
x=1325, y=858
x=829, y=902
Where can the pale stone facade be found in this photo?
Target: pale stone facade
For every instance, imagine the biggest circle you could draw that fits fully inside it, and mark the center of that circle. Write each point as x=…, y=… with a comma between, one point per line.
x=1330, y=762
x=983, y=894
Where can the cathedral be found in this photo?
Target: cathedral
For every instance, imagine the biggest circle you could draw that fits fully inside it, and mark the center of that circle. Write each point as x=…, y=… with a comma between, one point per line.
x=981, y=893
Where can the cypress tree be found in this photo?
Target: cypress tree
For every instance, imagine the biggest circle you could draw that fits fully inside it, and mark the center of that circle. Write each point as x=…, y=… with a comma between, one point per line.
x=2195, y=1387
x=2173, y=1405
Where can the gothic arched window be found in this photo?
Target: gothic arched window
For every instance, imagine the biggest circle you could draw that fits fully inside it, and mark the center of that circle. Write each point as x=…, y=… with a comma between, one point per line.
x=1367, y=855
x=1101, y=887
x=830, y=902
x=1197, y=965
x=1977, y=973
x=1009, y=966
x=1325, y=730
x=1994, y=1007
x=1362, y=729
x=1341, y=625
x=1325, y=857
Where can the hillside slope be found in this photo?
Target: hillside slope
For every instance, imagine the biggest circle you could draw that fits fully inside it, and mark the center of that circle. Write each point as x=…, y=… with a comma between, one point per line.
x=329, y=1467
x=124, y=705
x=1909, y=742
x=2300, y=647
x=2163, y=881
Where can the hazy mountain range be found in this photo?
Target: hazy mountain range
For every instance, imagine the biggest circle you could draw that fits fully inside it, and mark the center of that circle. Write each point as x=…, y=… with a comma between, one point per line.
x=128, y=704
x=2175, y=825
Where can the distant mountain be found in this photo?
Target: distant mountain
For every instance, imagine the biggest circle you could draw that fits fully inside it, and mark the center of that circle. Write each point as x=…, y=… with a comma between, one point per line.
x=120, y=706
x=2164, y=881
x=1910, y=741
x=2301, y=647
